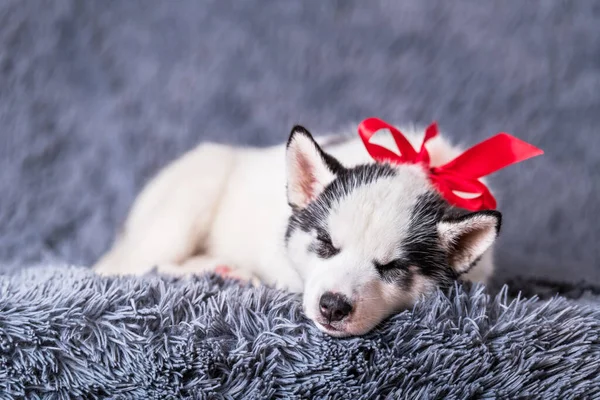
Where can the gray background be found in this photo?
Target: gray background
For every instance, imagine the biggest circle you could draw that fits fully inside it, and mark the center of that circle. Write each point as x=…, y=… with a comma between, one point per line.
x=96, y=96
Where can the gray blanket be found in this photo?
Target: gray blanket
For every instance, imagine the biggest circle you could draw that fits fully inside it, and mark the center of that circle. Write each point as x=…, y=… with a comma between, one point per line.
x=67, y=333
x=95, y=97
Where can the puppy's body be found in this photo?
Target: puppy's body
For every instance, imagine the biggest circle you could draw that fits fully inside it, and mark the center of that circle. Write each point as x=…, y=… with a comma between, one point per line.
x=220, y=205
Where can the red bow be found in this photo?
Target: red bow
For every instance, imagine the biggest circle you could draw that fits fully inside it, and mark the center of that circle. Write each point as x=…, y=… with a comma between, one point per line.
x=459, y=175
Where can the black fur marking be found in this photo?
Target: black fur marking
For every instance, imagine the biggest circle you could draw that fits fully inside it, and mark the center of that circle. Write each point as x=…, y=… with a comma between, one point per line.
x=422, y=248
x=396, y=264
x=323, y=246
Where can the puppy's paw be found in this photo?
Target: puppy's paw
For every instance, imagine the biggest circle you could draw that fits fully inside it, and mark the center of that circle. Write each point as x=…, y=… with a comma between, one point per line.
x=237, y=274
x=202, y=265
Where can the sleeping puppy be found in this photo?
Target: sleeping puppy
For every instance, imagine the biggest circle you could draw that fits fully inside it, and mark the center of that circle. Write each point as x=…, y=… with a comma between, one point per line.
x=361, y=240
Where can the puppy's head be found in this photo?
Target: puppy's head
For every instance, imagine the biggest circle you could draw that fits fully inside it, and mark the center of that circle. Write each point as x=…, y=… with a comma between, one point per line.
x=369, y=240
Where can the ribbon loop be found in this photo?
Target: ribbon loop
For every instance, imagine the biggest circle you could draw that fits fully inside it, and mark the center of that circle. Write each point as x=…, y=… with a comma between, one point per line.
x=462, y=173
x=369, y=127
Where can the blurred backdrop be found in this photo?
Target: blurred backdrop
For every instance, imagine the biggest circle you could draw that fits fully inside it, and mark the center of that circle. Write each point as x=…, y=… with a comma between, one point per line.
x=96, y=96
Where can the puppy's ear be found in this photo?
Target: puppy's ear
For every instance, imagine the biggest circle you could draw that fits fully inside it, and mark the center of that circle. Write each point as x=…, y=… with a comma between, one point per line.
x=467, y=237
x=309, y=168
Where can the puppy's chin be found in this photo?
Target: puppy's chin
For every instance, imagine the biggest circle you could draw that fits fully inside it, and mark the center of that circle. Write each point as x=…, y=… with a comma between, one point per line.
x=335, y=331
x=345, y=328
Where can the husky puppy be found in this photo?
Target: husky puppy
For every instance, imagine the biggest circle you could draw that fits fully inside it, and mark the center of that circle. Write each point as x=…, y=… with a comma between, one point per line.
x=361, y=240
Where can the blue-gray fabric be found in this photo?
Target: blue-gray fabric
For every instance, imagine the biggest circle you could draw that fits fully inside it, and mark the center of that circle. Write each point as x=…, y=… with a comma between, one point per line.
x=95, y=97
x=67, y=332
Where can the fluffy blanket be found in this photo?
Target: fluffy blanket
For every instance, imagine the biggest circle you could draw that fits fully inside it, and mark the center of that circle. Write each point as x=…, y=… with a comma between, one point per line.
x=95, y=97
x=65, y=332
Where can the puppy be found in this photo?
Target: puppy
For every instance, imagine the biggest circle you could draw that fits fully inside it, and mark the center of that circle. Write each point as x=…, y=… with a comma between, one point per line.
x=361, y=240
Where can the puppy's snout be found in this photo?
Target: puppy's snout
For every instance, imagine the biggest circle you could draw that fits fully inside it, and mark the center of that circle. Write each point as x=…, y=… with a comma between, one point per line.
x=334, y=306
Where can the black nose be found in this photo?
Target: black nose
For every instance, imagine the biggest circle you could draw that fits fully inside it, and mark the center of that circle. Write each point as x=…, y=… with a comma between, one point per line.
x=334, y=306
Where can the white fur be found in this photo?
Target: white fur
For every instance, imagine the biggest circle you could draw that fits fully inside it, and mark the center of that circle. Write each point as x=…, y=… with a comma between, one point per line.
x=224, y=205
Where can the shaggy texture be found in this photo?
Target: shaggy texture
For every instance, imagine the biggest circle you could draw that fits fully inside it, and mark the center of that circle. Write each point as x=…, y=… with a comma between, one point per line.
x=65, y=332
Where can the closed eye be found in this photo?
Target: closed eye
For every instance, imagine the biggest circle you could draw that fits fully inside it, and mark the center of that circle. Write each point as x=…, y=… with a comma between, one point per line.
x=390, y=266
x=324, y=246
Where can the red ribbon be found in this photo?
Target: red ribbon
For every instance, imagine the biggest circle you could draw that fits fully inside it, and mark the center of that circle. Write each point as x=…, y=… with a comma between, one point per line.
x=459, y=175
